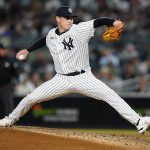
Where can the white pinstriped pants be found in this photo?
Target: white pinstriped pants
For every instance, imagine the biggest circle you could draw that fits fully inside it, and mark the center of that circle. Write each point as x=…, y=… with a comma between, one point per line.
x=85, y=84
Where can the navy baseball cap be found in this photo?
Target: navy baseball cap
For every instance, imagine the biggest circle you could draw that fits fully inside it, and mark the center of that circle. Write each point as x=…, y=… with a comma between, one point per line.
x=65, y=11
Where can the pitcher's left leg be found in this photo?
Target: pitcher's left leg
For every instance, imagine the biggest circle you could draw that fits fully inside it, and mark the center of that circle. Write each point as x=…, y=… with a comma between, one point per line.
x=87, y=84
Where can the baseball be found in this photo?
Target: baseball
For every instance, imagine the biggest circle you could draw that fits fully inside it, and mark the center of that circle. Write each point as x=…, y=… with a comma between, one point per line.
x=21, y=57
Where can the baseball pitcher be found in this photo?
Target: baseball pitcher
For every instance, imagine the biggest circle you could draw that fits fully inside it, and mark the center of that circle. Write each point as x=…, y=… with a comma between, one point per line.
x=68, y=45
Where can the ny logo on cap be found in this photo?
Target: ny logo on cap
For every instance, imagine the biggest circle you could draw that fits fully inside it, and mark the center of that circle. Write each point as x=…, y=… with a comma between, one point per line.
x=68, y=44
x=70, y=10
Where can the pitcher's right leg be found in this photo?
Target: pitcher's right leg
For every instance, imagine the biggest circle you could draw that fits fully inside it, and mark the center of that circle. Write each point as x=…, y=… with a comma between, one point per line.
x=51, y=89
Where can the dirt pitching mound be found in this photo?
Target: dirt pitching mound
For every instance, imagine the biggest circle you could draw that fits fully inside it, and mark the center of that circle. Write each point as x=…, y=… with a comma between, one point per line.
x=37, y=138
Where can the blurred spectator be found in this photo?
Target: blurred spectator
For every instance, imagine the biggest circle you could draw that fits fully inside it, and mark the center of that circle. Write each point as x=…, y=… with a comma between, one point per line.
x=140, y=66
x=107, y=76
x=144, y=85
x=40, y=63
x=36, y=79
x=129, y=71
x=108, y=57
x=24, y=87
x=52, y=5
x=25, y=3
x=8, y=74
x=129, y=52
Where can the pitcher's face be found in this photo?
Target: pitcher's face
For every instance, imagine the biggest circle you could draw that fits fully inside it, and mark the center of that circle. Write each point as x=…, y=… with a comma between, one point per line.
x=64, y=23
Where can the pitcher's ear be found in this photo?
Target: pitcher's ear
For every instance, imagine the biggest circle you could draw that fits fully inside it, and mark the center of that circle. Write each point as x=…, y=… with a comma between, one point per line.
x=57, y=18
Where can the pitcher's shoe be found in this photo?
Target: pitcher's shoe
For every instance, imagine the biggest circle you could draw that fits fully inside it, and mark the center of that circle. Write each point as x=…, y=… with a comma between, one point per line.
x=7, y=122
x=143, y=124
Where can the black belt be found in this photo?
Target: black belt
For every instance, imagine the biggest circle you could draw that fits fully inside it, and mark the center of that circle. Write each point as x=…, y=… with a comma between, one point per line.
x=75, y=73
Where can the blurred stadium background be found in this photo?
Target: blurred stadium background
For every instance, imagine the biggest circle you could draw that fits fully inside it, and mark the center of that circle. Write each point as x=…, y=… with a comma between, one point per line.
x=123, y=65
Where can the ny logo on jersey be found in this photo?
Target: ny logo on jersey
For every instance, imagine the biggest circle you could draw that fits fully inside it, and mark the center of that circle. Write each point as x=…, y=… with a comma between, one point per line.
x=68, y=44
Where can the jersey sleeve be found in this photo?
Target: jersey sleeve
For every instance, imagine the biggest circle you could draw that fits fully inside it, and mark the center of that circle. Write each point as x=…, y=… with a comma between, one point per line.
x=85, y=30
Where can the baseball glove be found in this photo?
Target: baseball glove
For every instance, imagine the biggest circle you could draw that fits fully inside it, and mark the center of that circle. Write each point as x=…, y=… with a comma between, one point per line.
x=111, y=34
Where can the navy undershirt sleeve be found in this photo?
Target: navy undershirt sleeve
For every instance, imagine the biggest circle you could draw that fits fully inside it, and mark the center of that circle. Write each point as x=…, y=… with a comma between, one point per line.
x=103, y=21
x=40, y=43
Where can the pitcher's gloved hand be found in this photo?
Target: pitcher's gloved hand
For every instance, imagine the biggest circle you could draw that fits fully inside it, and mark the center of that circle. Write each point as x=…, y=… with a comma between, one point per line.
x=113, y=33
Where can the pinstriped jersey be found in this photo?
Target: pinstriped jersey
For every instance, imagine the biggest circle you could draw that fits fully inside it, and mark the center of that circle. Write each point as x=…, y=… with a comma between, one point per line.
x=70, y=50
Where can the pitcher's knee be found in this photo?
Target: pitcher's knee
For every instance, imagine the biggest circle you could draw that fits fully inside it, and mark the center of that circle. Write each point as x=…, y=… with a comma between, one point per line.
x=29, y=100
